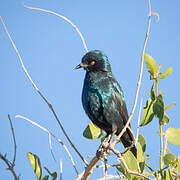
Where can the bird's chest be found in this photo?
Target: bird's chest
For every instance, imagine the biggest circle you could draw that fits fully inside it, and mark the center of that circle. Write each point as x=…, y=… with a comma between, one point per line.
x=96, y=92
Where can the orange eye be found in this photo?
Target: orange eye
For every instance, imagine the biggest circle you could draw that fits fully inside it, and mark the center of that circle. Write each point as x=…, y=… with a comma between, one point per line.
x=92, y=62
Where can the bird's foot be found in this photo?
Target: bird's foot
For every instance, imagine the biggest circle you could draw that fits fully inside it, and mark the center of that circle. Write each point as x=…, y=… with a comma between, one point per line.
x=104, y=149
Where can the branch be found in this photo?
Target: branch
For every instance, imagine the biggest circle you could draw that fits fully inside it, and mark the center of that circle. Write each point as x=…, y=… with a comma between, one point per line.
x=60, y=163
x=50, y=134
x=14, y=140
x=90, y=167
x=112, y=177
x=63, y=17
x=10, y=166
x=140, y=76
x=121, y=160
x=139, y=117
x=8, y=163
x=36, y=88
x=108, y=165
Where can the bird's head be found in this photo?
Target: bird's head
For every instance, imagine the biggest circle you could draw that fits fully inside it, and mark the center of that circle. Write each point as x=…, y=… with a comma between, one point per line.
x=95, y=61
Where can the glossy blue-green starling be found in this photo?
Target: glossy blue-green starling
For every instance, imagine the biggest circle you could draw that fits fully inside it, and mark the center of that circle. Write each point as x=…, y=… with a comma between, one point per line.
x=103, y=99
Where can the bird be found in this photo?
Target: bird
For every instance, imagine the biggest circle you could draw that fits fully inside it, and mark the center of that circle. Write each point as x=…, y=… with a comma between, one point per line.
x=103, y=98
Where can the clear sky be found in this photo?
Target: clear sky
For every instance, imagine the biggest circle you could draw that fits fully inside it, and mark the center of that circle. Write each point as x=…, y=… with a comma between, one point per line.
x=51, y=48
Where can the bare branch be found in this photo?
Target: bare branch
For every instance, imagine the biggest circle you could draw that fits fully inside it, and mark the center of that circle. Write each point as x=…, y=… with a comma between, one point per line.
x=121, y=160
x=10, y=166
x=140, y=76
x=8, y=163
x=139, y=117
x=108, y=165
x=60, y=169
x=63, y=17
x=14, y=140
x=90, y=167
x=36, y=88
x=112, y=177
x=157, y=15
x=51, y=134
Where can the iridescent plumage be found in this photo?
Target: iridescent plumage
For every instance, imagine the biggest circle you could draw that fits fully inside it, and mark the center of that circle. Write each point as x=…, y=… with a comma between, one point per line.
x=102, y=97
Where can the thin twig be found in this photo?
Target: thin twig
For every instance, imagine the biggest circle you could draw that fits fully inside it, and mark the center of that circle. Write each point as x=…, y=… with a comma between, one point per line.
x=157, y=15
x=14, y=140
x=140, y=76
x=49, y=105
x=112, y=177
x=121, y=160
x=60, y=169
x=63, y=17
x=139, y=118
x=8, y=163
x=105, y=167
x=10, y=166
x=108, y=165
x=51, y=134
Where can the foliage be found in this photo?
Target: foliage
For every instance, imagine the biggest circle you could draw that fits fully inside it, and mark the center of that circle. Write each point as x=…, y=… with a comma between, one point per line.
x=36, y=164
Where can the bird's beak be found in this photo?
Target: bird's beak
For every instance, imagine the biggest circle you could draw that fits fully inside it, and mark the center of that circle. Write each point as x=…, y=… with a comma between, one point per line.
x=78, y=66
x=81, y=66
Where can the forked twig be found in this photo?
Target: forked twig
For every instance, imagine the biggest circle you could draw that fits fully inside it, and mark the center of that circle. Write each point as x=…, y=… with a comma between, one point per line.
x=3, y=157
x=10, y=167
x=36, y=88
x=121, y=160
x=63, y=17
x=51, y=134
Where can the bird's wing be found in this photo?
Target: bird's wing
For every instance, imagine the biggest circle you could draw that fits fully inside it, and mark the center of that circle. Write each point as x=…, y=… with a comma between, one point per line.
x=92, y=100
x=118, y=100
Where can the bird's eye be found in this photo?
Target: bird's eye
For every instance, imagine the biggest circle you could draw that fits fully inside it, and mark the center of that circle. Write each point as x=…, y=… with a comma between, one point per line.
x=92, y=62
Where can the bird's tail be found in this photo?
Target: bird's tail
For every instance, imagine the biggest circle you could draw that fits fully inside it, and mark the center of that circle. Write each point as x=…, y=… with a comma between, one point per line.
x=128, y=141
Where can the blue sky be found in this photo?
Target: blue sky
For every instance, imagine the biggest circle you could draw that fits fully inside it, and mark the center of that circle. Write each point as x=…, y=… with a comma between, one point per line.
x=51, y=48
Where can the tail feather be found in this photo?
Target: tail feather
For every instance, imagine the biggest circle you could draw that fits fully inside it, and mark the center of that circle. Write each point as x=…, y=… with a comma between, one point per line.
x=128, y=141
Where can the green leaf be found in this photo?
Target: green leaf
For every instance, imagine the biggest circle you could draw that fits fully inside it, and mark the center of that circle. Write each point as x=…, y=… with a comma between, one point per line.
x=170, y=106
x=169, y=159
x=46, y=177
x=166, y=73
x=140, y=154
x=142, y=166
x=178, y=165
x=140, y=157
x=53, y=175
x=36, y=164
x=152, y=93
x=173, y=136
x=132, y=164
x=165, y=119
x=151, y=64
x=167, y=175
x=158, y=108
x=148, y=114
x=142, y=141
x=92, y=131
